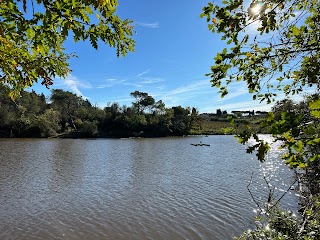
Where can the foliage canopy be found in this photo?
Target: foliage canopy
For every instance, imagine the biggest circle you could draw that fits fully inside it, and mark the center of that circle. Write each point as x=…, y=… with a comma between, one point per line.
x=274, y=48
x=32, y=34
x=68, y=115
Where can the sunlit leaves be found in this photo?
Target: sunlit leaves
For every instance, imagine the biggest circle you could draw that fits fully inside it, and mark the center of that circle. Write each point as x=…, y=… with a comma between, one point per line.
x=31, y=45
x=276, y=50
x=315, y=108
x=295, y=38
x=314, y=105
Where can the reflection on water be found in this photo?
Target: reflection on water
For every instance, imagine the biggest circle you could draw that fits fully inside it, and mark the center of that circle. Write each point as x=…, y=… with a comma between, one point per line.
x=130, y=188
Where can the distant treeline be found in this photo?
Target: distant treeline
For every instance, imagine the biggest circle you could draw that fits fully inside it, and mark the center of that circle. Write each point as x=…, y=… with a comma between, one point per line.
x=65, y=114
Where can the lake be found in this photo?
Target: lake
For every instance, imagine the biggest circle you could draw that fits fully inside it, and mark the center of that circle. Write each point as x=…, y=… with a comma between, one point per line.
x=161, y=188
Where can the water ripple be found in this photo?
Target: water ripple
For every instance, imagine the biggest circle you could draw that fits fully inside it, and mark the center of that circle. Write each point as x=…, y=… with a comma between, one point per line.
x=131, y=189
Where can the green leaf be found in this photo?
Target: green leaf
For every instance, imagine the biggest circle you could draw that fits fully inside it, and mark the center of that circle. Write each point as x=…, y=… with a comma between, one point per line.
x=315, y=158
x=218, y=57
x=30, y=33
x=35, y=41
x=295, y=31
x=298, y=146
x=314, y=105
x=231, y=120
x=315, y=113
x=311, y=130
x=316, y=141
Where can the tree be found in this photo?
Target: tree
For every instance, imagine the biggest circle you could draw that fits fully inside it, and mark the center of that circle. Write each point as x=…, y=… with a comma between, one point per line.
x=143, y=101
x=282, y=56
x=159, y=107
x=48, y=122
x=286, y=62
x=67, y=103
x=285, y=105
x=181, y=121
x=32, y=34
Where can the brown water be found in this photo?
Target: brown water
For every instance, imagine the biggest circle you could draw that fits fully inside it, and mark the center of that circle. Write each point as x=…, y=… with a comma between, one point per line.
x=130, y=188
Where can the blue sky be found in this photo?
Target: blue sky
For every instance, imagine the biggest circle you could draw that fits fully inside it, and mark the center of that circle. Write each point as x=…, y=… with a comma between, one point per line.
x=174, y=50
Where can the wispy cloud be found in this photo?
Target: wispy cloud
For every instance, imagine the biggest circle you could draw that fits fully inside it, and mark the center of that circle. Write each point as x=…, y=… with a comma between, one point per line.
x=236, y=89
x=138, y=81
x=72, y=83
x=136, y=85
x=111, y=79
x=105, y=86
x=183, y=95
x=143, y=73
x=151, y=80
x=144, y=80
x=148, y=25
x=110, y=82
x=203, y=84
x=240, y=106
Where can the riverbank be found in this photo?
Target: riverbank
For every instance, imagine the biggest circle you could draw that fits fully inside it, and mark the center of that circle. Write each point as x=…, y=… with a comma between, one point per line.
x=205, y=127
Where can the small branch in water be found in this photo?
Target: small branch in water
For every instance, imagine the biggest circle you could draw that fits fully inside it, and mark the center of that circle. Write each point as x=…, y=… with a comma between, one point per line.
x=271, y=191
x=252, y=194
x=271, y=194
x=283, y=194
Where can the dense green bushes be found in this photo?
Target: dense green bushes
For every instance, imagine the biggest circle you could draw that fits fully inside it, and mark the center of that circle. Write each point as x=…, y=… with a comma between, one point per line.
x=66, y=114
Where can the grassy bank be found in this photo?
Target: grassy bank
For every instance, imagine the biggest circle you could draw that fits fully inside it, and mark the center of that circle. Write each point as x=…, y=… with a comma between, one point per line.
x=222, y=126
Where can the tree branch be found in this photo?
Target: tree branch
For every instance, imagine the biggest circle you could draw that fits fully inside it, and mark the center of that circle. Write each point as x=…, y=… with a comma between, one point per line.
x=252, y=194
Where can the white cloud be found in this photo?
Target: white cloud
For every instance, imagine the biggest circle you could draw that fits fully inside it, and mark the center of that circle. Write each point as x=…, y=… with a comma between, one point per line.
x=111, y=79
x=235, y=89
x=110, y=82
x=239, y=106
x=105, y=85
x=243, y=104
x=151, y=80
x=203, y=84
x=148, y=25
x=143, y=73
x=136, y=85
x=72, y=83
x=146, y=79
x=184, y=94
